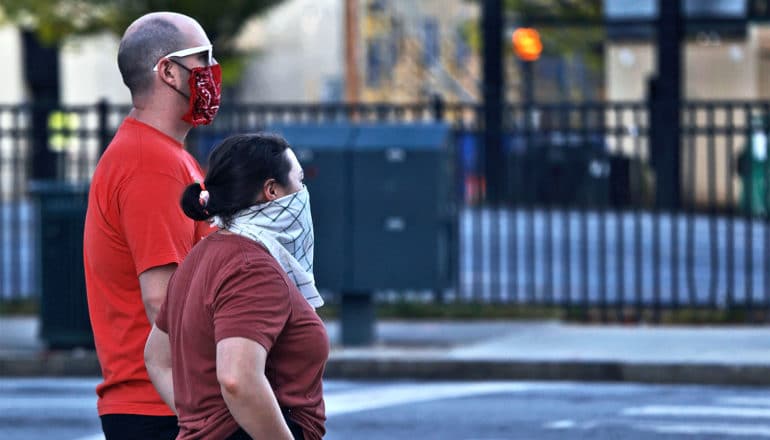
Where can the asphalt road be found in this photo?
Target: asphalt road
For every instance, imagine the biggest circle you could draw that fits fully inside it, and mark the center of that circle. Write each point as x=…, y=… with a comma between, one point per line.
x=32, y=409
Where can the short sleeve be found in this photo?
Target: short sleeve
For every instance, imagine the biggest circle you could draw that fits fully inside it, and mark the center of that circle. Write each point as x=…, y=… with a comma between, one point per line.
x=252, y=303
x=156, y=229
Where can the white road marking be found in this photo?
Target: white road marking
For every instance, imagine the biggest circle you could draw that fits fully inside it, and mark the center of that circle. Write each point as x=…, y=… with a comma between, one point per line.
x=18, y=403
x=368, y=398
x=704, y=429
x=560, y=424
x=745, y=401
x=17, y=384
x=697, y=411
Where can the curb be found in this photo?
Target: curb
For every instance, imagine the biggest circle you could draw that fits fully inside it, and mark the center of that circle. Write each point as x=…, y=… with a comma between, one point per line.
x=53, y=364
x=80, y=364
x=586, y=371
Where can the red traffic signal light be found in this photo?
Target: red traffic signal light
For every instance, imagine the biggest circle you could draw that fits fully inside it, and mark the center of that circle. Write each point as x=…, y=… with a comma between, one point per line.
x=527, y=44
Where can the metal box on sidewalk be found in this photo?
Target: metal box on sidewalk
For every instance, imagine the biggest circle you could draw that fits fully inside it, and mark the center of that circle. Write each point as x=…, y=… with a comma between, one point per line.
x=401, y=207
x=323, y=151
x=382, y=211
x=381, y=202
x=64, y=321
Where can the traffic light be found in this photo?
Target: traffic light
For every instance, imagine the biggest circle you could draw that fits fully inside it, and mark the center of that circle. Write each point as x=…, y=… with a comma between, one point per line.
x=527, y=44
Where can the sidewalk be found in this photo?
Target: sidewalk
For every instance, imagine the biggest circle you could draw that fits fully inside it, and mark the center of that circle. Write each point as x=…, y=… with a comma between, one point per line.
x=499, y=350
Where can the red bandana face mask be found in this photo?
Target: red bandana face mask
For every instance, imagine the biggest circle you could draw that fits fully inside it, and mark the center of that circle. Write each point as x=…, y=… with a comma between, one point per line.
x=205, y=93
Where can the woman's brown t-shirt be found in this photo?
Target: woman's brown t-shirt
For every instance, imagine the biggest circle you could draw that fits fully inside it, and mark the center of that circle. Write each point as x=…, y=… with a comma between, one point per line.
x=230, y=286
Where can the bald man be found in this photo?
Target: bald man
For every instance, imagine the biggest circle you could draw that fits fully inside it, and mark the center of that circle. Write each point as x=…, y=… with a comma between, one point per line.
x=135, y=233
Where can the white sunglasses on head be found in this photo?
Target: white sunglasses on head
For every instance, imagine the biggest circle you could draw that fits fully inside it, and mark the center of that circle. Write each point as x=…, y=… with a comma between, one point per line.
x=186, y=52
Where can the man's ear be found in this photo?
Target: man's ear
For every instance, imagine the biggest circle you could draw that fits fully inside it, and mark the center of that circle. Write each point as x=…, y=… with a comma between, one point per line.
x=167, y=72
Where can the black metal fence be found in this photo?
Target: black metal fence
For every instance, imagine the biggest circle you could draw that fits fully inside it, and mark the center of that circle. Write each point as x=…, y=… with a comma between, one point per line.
x=579, y=226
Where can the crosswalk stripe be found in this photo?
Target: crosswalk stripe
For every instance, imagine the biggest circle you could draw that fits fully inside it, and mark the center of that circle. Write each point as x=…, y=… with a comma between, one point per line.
x=697, y=411
x=19, y=403
x=379, y=397
x=745, y=401
x=703, y=429
x=560, y=424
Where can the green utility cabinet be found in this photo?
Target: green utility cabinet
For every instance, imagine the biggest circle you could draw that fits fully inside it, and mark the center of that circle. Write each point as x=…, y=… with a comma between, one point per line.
x=401, y=207
x=64, y=321
x=323, y=152
x=383, y=214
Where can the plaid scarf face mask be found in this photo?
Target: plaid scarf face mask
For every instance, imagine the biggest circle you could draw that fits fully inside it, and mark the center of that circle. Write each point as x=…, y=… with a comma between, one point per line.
x=285, y=227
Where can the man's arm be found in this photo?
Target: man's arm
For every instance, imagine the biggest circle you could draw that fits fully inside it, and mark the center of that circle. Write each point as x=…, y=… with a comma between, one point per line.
x=153, y=283
x=247, y=393
x=157, y=359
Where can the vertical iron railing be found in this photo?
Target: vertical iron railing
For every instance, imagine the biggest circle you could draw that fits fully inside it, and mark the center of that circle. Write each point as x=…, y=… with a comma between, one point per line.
x=578, y=226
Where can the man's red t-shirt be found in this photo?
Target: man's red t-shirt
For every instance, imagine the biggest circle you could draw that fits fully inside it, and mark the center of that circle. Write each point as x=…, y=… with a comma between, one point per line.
x=134, y=223
x=230, y=286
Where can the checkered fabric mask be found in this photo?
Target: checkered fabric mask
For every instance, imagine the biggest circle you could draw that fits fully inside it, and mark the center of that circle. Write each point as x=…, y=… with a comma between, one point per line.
x=285, y=227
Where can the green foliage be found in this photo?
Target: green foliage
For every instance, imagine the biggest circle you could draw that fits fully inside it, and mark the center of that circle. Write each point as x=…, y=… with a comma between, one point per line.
x=54, y=20
x=567, y=9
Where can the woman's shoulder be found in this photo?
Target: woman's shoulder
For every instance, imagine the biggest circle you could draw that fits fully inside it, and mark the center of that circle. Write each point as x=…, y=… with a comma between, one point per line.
x=244, y=252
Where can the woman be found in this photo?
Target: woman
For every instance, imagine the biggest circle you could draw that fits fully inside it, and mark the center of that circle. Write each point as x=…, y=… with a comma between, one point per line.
x=237, y=349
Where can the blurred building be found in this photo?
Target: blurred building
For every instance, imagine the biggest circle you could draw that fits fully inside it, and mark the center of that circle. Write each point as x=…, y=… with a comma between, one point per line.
x=719, y=61
x=295, y=53
x=410, y=50
x=413, y=50
x=12, y=76
x=88, y=69
x=406, y=50
x=729, y=61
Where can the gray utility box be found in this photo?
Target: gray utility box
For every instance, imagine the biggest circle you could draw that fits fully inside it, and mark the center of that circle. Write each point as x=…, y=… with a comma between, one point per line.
x=323, y=152
x=381, y=202
x=64, y=321
x=401, y=207
x=383, y=214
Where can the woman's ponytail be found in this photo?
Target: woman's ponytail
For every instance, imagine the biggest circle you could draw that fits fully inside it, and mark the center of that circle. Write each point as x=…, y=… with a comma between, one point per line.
x=193, y=204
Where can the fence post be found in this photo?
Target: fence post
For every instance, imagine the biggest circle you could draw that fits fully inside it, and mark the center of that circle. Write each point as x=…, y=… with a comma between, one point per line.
x=493, y=92
x=44, y=160
x=437, y=104
x=665, y=106
x=104, y=133
x=41, y=72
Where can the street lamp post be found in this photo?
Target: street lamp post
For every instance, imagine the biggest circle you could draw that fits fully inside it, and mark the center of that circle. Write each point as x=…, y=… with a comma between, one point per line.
x=665, y=105
x=494, y=98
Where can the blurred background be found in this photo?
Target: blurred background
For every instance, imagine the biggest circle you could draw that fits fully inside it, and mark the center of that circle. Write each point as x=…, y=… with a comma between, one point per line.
x=591, y=160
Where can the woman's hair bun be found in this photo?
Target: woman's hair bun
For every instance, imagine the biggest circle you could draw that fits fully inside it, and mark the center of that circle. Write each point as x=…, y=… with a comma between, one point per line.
x=191, y=203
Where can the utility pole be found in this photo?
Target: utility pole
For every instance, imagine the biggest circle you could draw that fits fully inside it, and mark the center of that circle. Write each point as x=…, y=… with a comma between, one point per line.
x=352, y=92
x=665, y=99
x=494, y=99
x=41, y=71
